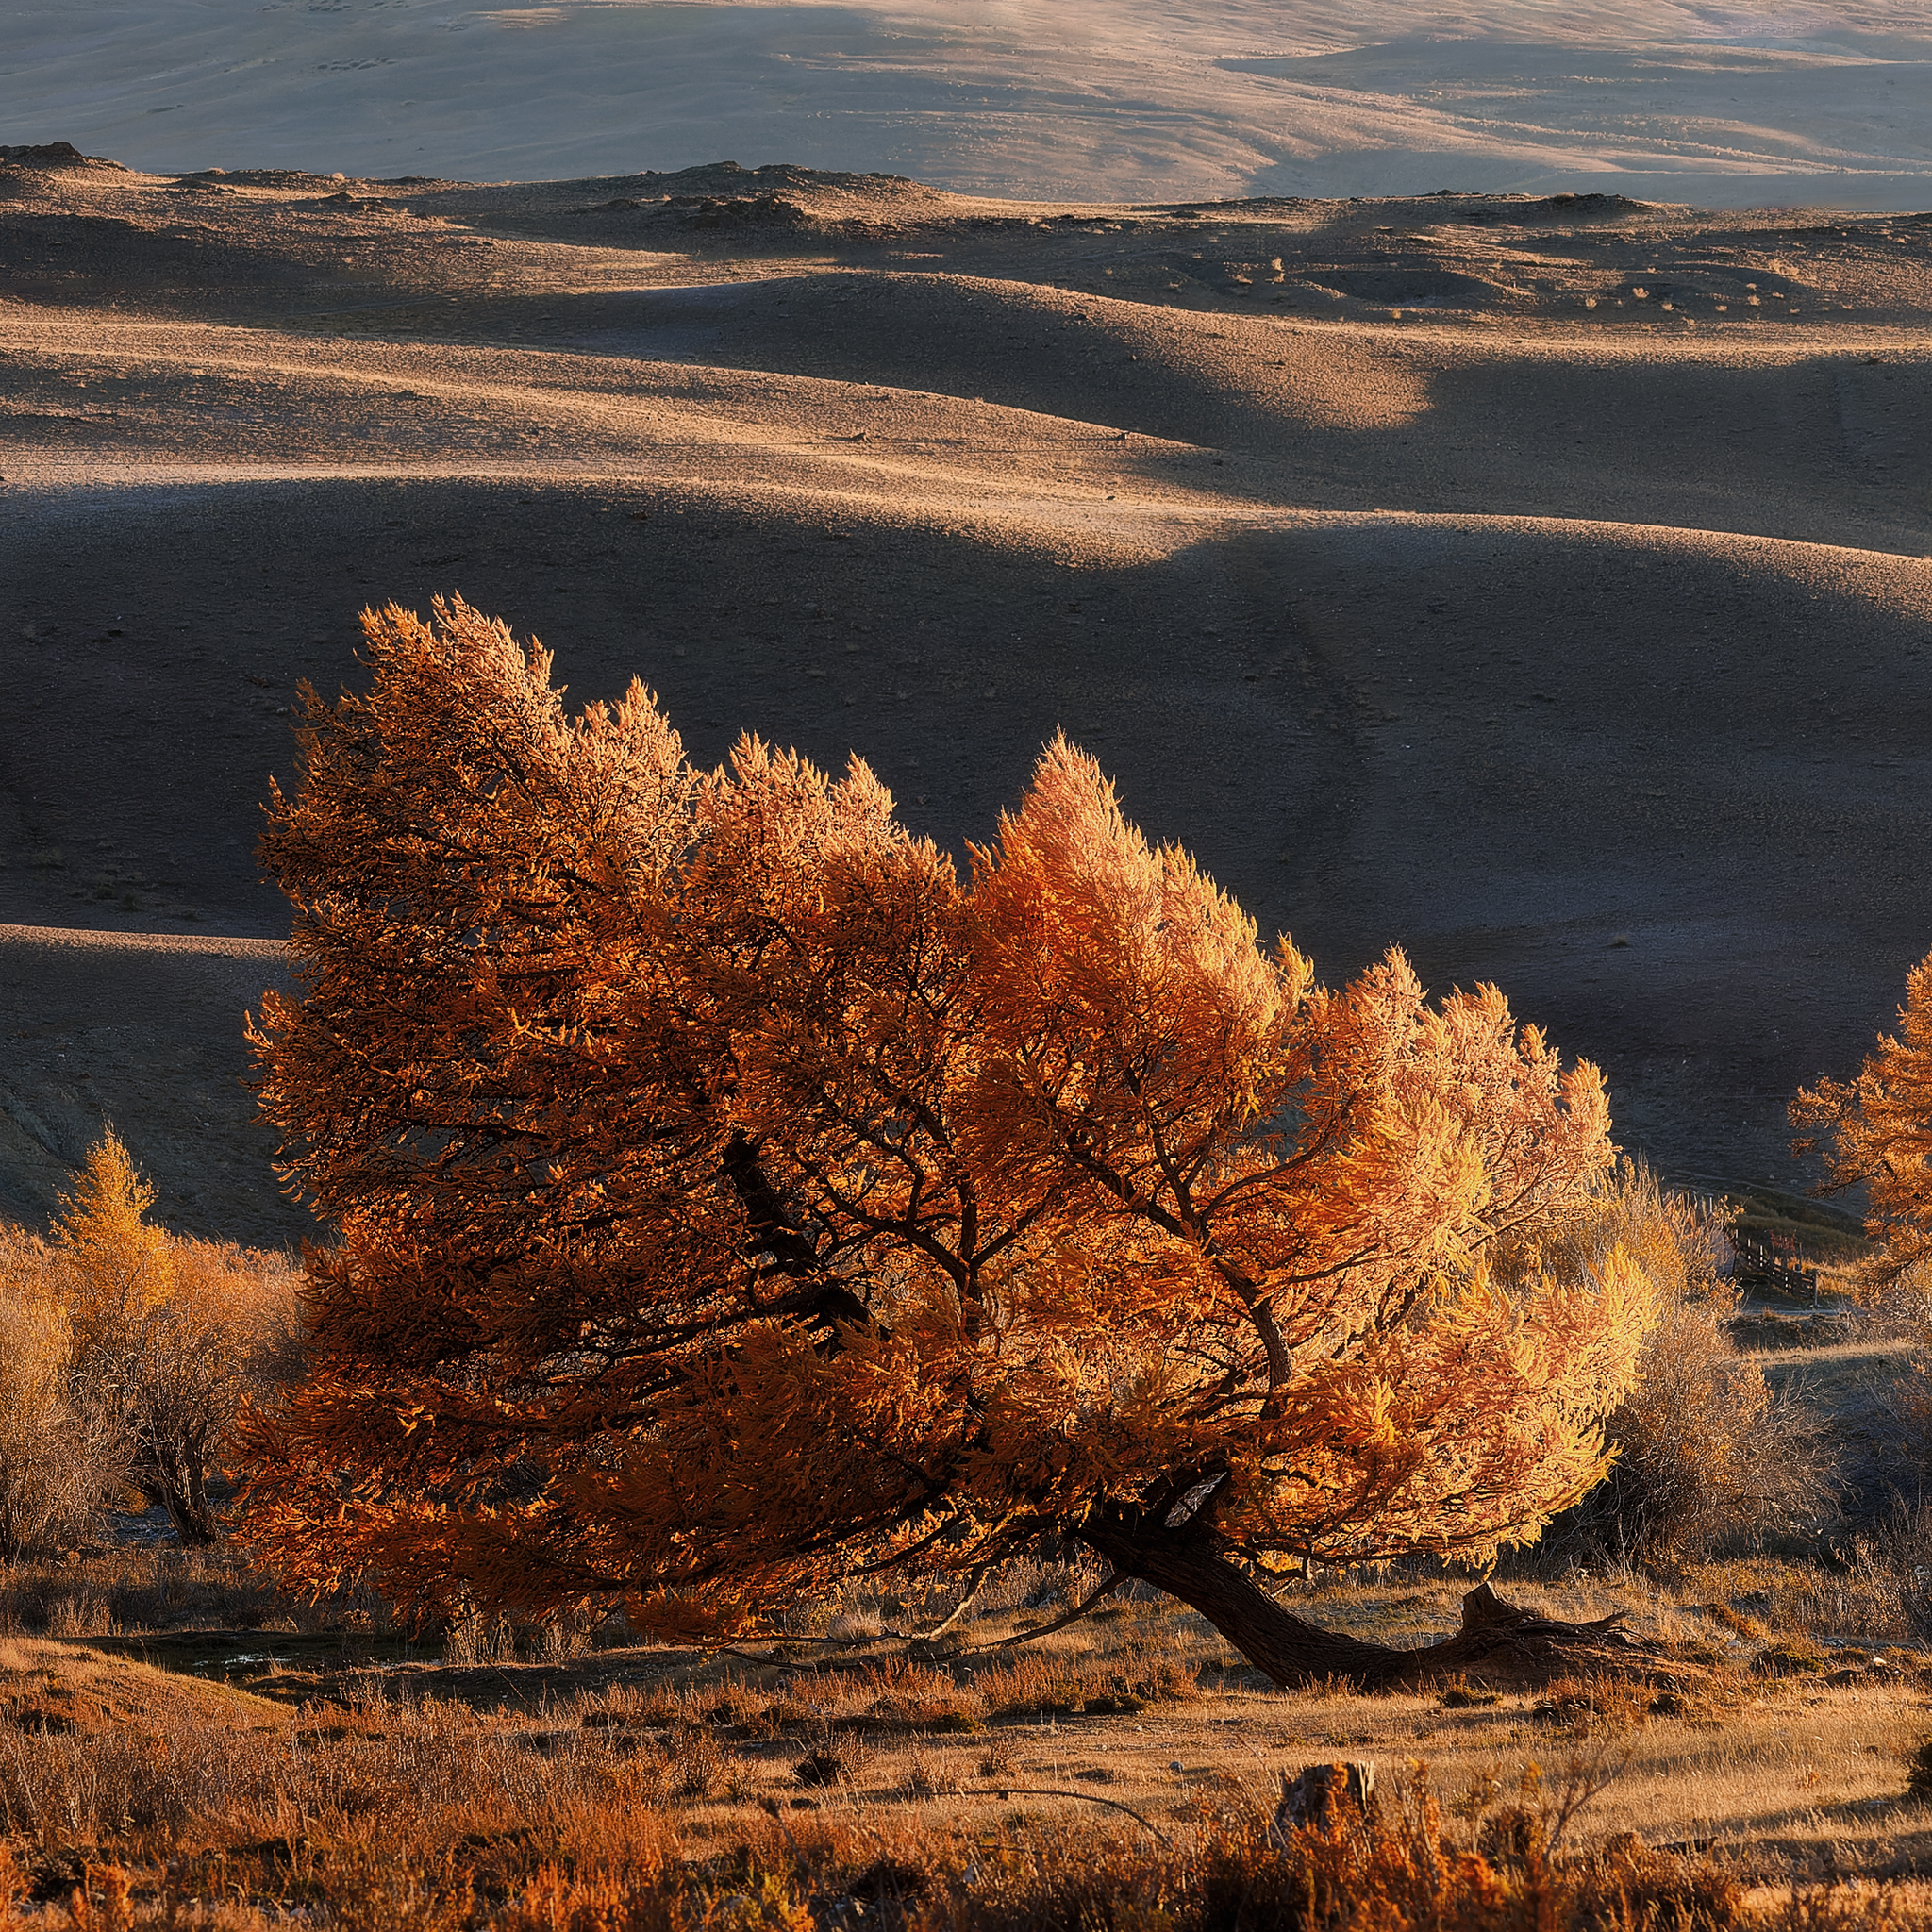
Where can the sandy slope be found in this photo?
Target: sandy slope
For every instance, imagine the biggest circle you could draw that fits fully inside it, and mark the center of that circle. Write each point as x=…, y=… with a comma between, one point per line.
x=1730, y=105
x=1432, y=582
x=143, y=1030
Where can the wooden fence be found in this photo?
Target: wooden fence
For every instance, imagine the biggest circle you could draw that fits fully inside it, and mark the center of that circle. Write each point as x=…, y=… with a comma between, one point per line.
x=1775, y=1264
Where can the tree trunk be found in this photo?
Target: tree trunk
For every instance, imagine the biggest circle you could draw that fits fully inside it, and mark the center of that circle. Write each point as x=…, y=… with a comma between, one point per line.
x=180, y=1483
x=1499, y=1643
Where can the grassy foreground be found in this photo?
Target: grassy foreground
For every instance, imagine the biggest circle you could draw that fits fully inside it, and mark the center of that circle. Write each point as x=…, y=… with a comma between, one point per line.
x=1124, y=1773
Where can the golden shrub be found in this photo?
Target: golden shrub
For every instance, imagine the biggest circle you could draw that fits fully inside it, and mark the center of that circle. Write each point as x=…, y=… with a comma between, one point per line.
x=1707, y=1453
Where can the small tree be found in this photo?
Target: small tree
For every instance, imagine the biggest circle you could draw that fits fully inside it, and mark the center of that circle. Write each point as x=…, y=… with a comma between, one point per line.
x=119, y=1266
x=730, y=1196
x=165, y=1335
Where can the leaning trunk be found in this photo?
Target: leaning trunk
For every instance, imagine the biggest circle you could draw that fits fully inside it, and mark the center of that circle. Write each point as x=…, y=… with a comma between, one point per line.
x=1498, y=1643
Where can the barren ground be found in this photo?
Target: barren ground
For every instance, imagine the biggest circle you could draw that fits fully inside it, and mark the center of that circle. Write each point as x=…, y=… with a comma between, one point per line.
x=1540, y=584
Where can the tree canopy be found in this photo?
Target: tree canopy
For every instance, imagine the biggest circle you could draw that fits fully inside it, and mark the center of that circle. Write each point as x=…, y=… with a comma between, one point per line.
x=731, y=1192
x=1875, y=1132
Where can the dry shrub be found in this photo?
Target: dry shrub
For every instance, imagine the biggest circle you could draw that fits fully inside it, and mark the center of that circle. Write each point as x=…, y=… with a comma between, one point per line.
x=1714, y=1700
x=1708, y=1456
x=1050, y=1585
x=599, y=1901
x=1044, y=1683
x=914, y=1698
x=1734, y=1619
x=1600, y=1705
x=1032, y=1683
x=1885, y=1588
x=1152, y=1672
x=476, y=1636
x=229, y=1330
x=1587, y=1707
x=930, y=1774
x=1919, y=1771
x=835, y=1757
x=694, y=1764
x=1902, y=1298
x=737, y=1707
x=375, y=1886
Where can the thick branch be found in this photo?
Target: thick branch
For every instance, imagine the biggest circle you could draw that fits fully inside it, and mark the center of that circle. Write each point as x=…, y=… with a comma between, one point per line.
x=1498, y=1643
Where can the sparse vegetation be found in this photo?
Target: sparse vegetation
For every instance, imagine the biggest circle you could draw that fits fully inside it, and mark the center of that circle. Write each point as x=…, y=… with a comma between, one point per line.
x=641, y=1785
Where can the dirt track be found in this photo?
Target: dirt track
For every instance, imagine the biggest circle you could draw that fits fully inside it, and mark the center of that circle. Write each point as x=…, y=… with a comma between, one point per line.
x=1426, y=601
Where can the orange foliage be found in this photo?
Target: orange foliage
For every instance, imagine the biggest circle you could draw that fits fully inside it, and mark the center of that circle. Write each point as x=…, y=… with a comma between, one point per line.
x=729, y=1192
x=1877, y=1130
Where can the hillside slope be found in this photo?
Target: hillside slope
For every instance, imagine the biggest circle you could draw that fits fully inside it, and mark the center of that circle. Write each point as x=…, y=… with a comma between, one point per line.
x=1431, y=581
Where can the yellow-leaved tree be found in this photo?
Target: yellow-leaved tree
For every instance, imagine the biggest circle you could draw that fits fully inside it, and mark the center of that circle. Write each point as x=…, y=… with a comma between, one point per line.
x=165, y=1335
x=120, y=1266
x=731, y=1194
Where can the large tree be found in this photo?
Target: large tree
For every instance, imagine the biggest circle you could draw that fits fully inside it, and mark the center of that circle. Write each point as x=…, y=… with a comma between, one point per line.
x=730, y=1196
x=1875, y=1133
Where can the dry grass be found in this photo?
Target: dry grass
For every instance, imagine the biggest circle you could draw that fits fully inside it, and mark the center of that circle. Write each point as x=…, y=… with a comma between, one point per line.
x=342, y=1770
x=655, y=1787
x=440, y=1816
x=107, y=1593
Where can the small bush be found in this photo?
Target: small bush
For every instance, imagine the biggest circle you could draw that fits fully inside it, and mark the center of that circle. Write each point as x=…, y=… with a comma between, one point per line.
x=695, y=1764
x=1791, y=1657
x=932, y=1775
x=1585, y=1707
x=842, y=1759
x=475, y=1638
